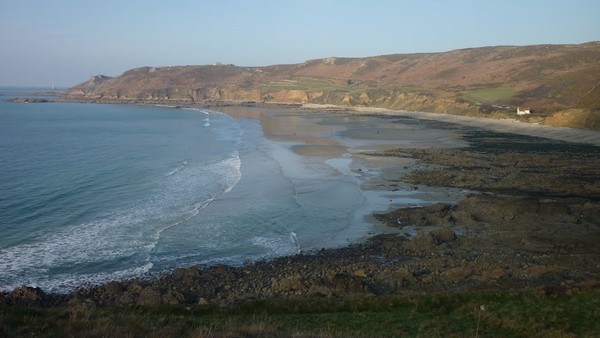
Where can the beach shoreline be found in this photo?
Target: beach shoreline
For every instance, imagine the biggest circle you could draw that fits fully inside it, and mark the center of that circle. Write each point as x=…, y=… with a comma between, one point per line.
x=342, y=142
x=495, y=124
x=498, y=125
x=449, y=246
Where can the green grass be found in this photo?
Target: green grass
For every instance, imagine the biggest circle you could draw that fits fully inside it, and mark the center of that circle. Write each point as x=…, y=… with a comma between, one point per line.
x=506, y=314
x=489, y=95
x=306, y=83
x=300, y=83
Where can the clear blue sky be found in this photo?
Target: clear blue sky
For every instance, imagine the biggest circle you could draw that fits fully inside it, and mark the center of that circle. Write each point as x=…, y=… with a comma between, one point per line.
x=67, y=41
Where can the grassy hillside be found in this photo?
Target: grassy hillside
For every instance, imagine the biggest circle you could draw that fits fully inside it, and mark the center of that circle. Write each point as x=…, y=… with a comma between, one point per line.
x=488, y=81
x=485, y=314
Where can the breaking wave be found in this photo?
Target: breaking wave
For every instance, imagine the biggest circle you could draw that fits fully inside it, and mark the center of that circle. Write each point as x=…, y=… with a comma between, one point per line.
x=117, y=245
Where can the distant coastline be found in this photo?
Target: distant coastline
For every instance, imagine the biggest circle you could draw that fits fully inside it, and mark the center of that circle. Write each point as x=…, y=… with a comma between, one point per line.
x=504, y=124
x=551, y=82
x=28, y=100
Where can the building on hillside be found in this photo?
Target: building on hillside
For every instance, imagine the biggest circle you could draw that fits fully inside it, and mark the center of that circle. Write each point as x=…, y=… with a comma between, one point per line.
x=523, y=112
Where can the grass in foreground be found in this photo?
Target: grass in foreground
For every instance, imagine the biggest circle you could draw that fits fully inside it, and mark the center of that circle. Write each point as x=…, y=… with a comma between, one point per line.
x=490, y=314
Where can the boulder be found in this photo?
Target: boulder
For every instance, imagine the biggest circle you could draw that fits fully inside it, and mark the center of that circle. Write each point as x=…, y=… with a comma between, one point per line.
x=443, y=235
x=26, y=296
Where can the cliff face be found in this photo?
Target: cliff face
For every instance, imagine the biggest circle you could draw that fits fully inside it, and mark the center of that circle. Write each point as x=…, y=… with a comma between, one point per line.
x=492, y=81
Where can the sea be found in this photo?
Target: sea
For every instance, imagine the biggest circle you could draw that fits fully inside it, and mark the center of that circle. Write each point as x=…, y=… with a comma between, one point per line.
x=93, y=193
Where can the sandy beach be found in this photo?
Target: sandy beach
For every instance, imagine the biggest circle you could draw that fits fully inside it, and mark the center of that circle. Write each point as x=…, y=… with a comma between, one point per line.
x=344, y=141
x=504, y=125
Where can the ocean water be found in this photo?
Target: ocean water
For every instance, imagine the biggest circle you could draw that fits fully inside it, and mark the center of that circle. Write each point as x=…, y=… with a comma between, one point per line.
x=93, y=193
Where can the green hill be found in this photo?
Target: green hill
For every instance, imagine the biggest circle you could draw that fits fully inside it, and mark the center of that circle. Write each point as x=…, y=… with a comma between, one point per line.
x=559, y=83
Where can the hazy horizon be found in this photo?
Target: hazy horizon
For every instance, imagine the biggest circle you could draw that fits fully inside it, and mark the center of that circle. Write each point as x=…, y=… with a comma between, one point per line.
x=66, y=43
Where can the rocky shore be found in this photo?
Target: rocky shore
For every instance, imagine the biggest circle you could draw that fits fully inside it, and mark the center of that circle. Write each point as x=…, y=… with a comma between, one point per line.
x=28, y=100
x=532, y=221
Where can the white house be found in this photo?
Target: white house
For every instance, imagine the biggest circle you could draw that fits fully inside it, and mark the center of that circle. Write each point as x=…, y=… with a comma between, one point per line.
x=523, y=112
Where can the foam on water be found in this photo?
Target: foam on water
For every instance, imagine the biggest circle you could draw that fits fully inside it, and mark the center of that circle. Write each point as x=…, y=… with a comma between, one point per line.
x=276, y=245
x=89, y=253
x=205, y=112
x=177, y=169
x=72, y=243
x=163, y=188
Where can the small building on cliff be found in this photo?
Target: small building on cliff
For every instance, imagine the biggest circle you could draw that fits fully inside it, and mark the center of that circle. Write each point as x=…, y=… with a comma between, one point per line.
x=523, y=112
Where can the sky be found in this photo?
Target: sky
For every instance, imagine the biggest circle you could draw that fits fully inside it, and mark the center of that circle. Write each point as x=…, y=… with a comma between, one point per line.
x=67, y=41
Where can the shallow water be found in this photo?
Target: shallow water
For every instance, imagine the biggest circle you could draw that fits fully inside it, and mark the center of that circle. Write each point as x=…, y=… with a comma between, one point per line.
x=94, y=193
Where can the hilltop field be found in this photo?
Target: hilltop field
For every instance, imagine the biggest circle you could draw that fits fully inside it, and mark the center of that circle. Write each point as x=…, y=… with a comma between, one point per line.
x=560, y=84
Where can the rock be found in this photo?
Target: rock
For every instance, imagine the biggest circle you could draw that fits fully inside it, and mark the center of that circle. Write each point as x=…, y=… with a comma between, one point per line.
x=421, y=242
x=428, y=240
x=27, y=100
x=396, y=279
x=360, y=273
x=172, y=297
x=288, y=284
x=320, y=290
x=26, y=296
x=345, y=284
x=186, y=277
x=456, y=274
x=443, y=235
x=149, y=296
x=439, y=214
x=493, y=274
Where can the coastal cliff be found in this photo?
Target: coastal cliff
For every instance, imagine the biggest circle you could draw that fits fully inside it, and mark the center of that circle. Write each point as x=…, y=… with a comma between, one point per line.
x=559, y=83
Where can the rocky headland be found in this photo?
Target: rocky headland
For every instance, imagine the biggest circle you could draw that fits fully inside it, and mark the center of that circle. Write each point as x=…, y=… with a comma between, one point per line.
x=28, y=100
x=558, y=84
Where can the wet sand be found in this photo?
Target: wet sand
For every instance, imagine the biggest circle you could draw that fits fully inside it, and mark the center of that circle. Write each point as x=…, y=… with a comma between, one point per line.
x=506, y=126
x=343, y=142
